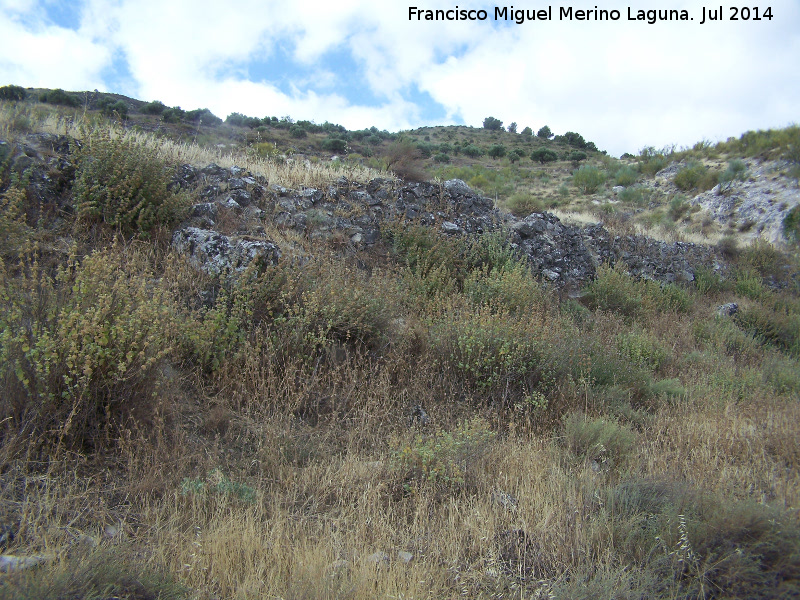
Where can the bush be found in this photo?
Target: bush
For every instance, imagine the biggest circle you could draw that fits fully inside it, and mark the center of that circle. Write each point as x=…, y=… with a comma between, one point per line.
x=574, y=139
x=527, y=132
x=334, y=145
x=12, y=93
x=776, y=327
x=403, y=158
x=441, y=157
x=544, y=155
x=516, y=155
x=153, y=108
x=204, y=116
x=123, y=183
x=492, y=124
x=642, y=349
x=635, y=195
x=588, y=179
x=736, y=171
x=446, y=459
x=791, y=225
x=109, y=107
x=497, y=151
x=521, y=204
x=544, y=133
x=626, y=176
x=173, y=115
x=576, y=156
x=597, y=440
x=297, y=132
x=240, y=120
x=472, y=151
x=80, y=349
x=59, y=96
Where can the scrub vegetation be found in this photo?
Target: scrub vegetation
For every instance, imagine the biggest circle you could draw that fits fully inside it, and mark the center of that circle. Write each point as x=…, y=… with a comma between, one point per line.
x=170, y=434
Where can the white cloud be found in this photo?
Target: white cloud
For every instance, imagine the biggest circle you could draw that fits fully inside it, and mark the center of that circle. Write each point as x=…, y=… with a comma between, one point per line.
x=47, y=55
x=620, y=84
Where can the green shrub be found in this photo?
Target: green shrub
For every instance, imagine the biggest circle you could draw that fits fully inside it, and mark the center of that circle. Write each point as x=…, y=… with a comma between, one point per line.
x=670, y=297
x=614, y=290
x=625, y=176
x=218, y=486
x=736, y=171
x=516, y=154
x=472, y=151
x=791, y=225
x=776, y=327
x=782, y=373
x=544, y=133
x=577, y=156
x=597, y=439
x=485, y=349
x=123, y=183
x=334, y=145
x=588, y=179
x=651, y=161
x=642, y=349
x=297, y=132
x=708, y=281
x=442, y=158
x=497, y=150
x=446, y=459
x=204, y=116
x=173, y=115
x=80, y=349
x=509, y=287
x=544, y=155
x=521, y=204
x=678, y=208
x=13, y=93
x=153, y=108
x=109, y=107
x=669, y=388
x=689, y=177
x=59, y=96
x=114, y=571
x=635, y=195
x=492, y=124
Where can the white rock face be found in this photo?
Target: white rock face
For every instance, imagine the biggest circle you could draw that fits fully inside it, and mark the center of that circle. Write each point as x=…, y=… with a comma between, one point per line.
x=759, y=204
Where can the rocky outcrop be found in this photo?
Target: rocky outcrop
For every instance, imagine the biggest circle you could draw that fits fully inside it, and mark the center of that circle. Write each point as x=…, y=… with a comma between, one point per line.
x=225, y=230
x=756, y=206
x=216, y=253
x=561, y=254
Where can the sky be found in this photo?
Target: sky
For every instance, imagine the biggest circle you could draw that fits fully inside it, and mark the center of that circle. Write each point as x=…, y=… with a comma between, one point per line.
x=623, y=84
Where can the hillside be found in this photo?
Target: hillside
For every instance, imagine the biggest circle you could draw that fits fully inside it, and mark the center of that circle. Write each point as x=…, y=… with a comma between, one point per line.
x=234, y=366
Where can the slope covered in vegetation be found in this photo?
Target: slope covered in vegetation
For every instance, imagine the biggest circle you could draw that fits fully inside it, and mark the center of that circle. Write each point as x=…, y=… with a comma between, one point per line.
x=420, y=418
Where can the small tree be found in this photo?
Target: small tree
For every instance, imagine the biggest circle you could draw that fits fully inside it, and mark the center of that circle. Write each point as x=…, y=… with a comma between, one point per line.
x=544, y=133
x=544, y=155
x=12, y=92
x=575, y=139
x=472, y=151
x=497, y=151
x=492, y=124
x=516, y=155
x=577, y=156
x=156, y=107
x=512, y=128
x=527, y=132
